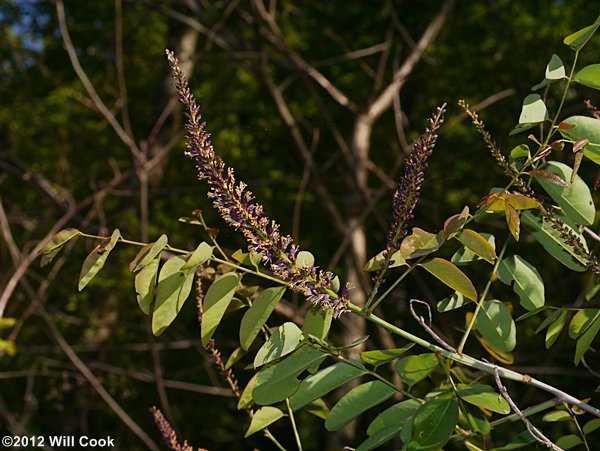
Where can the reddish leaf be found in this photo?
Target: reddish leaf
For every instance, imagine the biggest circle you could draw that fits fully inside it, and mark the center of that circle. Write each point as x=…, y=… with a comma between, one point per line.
x=580, y=144
x=544, y=153
x=455, y=222
x=565, y=126
x=549, y=177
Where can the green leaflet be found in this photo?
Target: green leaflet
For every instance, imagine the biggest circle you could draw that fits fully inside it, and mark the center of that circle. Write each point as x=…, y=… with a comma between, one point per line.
x=94, y=262
x=317, y=322
x=148, y=253
x=477, y=420
x=591, y=426
x=575, y=199
x=375, y=264
x=556, y=415
x=588, y=128
x=450, y=275
x=415, y=368
x=246, y=400
x=521, y=440
x=556, y=328
x=279, y=381
x=433, y=424
x=496, y=325
x=451, y=302
x=533, y=110
x=483, y=396
x=585, y=340
x=174, y=287
x=217, y=298
x=325, y=381
x=568, y=441
x=420, y=243
x=555, y=70
x=589, y=76
x=357, y=401
x=551, y=241
x=200, y=256
x=56, y=244
x=524, y=279
x=285, y=339
x=578, y=39
x=305, y=258
x=145, y=282
x=478, y=244
x=464, y=255
x=396, y=415
x=582, y=321
x=257, y=315
x=262, y=418
x=379, y=357
x=379, y=437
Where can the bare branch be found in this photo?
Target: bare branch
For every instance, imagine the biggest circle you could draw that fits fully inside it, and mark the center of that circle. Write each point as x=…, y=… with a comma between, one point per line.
x=385, y=99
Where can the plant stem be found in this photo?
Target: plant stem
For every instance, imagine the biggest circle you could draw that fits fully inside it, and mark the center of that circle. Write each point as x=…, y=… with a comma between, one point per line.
x=463, y=340
x=370, y=309
x=296, y=435
x=472, y=362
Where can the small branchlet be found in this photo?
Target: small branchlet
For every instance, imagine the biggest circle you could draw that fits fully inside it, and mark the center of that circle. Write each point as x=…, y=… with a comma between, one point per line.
x=235, y=204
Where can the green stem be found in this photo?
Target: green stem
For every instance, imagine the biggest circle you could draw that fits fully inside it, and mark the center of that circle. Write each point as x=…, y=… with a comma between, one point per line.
x=463, y=340
x=296, y=435
x=369, y=310
x=268, y=434
x=471, y=362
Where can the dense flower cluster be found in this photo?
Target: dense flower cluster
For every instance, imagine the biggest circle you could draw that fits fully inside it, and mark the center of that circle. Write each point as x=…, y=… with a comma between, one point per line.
x=234, y=203
x=409, y=190
x=168, y=433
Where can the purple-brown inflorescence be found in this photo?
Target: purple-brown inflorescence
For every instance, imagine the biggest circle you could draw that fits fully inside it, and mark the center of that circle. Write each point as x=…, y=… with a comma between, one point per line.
x=234, y=203
x=409, y=190
x=168, y=433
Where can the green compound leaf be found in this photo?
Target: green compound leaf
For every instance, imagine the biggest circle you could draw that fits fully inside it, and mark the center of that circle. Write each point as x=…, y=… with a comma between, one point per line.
x=148, y=253
x=174, y=287
x=534, y=110
x=584, y=128
x=317, y=322
x=262, y=418
x=585, y=340
x=279, y=381
x=216, y=301
x=96, y=259
x=433, y=424
x=575, y=199
x=379, y=357
x=325, y=381
x=200, y=256
x=483, y=396
x=257, y=315
x=145, y=282
x=552, y=242
x=589, y=76
x=496, y=325
x=524, y=279
x=449, y=274
x=578, y=39
x=478, y=244
x=357, y=401
x=285, y=339
x=56, y=244
x=415, y=368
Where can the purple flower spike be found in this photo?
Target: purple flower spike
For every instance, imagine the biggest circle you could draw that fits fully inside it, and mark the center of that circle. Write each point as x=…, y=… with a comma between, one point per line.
x=234, y=203
x=409, y=190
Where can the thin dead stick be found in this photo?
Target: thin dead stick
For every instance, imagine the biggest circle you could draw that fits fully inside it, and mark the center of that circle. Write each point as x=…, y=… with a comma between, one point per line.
x=535, y=432
x=95, y=383
x=425, y=326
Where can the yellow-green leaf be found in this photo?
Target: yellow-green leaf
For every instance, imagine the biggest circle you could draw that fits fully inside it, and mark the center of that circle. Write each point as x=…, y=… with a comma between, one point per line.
x=217, y=298
x=56, y=244
x=478, y=244
x=96, y=259
x=262, y=418
x=449, y=274
x=496, y=325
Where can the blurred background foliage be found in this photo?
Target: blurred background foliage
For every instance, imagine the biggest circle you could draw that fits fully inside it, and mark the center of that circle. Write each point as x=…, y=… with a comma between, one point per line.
x=57, y=150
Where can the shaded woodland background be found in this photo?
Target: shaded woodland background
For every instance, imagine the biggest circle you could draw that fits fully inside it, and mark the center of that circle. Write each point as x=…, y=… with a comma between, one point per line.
x=316, y=105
